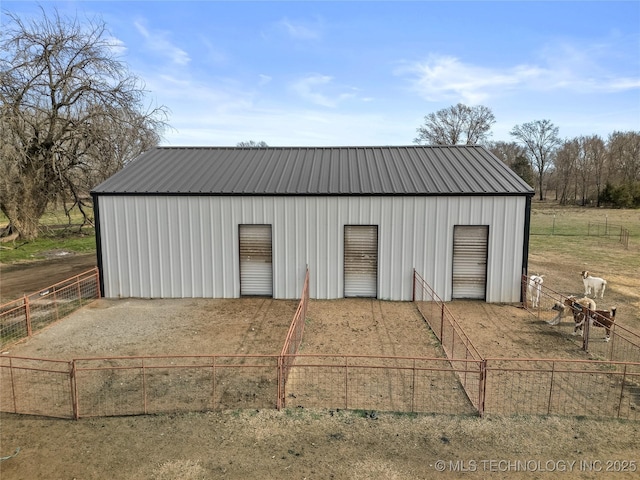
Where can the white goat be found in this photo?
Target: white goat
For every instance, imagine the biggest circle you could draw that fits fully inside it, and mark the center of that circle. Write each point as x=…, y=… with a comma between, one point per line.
x=593, y=285
x=534, y=288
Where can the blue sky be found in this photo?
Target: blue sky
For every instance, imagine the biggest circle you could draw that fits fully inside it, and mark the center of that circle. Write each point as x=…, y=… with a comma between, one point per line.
x=366, y=73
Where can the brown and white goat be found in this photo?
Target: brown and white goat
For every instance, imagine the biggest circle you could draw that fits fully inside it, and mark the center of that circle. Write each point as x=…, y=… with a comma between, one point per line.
x=605, y=319
x=581, y=308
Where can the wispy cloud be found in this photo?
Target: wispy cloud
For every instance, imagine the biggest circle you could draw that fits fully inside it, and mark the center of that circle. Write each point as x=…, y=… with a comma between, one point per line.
x=159, y=43
x=565, y=67
x=300, y=30
x=117, y=46
x=320, y=90
x=264, y=79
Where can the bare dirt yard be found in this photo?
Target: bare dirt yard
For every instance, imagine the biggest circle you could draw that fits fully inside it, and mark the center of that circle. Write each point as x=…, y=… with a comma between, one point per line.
x=296, y=443
x=24, y=278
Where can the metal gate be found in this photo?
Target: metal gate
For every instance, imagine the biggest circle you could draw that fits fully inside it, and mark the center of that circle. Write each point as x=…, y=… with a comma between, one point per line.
x=470, y=261
x=361, y=261
x=256, y=268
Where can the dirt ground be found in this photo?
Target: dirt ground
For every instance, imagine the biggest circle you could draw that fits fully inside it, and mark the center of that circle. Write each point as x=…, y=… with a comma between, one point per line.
x=294, y=443
x=24, y=278
x=307, y=443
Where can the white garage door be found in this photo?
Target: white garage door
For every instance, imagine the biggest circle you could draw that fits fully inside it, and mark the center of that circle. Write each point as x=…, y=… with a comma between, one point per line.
x=360, y=261
x=470, y=261
x=256, y=269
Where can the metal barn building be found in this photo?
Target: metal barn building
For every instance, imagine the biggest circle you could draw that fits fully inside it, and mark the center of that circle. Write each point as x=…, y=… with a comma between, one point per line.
x=224, y=222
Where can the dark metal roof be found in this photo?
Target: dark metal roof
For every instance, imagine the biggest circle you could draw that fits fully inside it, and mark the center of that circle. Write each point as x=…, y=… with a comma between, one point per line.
x=400, y=170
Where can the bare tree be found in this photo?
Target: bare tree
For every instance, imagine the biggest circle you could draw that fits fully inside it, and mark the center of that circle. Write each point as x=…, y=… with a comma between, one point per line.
x=458, y=124
x=72, y=114
x=252, y=144
x=596, y=152
x=624, y=155
x=540, y=138
x=565, y=167
x=584, y=168
x=515, y=156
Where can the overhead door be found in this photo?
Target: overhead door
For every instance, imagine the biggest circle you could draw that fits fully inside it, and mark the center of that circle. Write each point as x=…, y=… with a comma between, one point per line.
x=470, y=261
x=256, y=269
x=360, y=261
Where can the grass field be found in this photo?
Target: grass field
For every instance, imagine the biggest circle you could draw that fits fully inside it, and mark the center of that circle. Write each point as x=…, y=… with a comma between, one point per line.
x=56, y=234
x=570, y=232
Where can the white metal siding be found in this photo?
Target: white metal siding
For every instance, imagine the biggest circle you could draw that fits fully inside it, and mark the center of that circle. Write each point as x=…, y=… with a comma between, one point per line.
x=469, y=261
x=256, y=271
x=360, y=260
x=179, y=246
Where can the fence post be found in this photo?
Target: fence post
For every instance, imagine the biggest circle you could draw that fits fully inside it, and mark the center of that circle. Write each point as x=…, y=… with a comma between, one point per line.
x=585, y=329
x=624, y=377
x=413, y=387
x=213, y=388
x=482, y=387
x=73, y=380
x=346, y=383
x=413, y=294
x=144, y=386
x=553, y=371
x=27, y=314
x=612, y=338
x=55, y=303
x=98, y=292
x=280, y=393
x=13, y=386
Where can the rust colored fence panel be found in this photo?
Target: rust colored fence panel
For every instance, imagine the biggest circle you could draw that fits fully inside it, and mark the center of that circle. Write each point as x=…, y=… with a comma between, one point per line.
x=168, y=384
x=293, y=340
x=398, y=384
x=455, y=343
x=563, y=387
x=463, y=383
x=23, y=317
x=35, y=386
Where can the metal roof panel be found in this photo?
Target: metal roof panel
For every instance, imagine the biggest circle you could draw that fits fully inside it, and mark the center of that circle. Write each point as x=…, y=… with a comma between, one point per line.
x=392, y=170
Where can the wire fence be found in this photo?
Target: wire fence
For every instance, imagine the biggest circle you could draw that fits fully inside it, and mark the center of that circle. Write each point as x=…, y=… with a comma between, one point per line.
x=294, y=338
x=562, y=387
x=567, y=226
x=461, y=383
x=23, y=317
x=608, y=230
x=595, y=332
x=543, y=387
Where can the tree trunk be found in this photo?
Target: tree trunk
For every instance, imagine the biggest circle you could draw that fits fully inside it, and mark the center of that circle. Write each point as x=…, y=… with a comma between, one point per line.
x=24, y=203
x=540, y=185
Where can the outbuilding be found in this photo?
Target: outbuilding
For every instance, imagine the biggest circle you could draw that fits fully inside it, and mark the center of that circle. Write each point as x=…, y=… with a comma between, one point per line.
x=225, y=222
